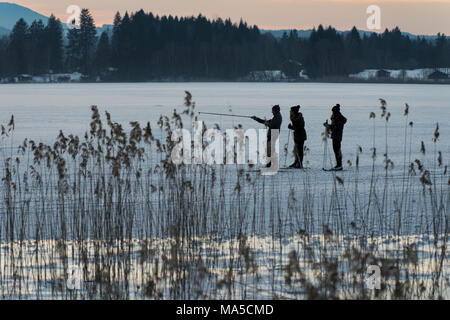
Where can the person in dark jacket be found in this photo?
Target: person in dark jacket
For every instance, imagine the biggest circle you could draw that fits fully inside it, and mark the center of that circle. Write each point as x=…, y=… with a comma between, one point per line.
x=336, y=128
x=272, y=124
x=298, y=125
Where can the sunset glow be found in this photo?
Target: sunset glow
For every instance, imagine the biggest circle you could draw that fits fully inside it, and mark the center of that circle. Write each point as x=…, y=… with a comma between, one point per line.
x=417, y=16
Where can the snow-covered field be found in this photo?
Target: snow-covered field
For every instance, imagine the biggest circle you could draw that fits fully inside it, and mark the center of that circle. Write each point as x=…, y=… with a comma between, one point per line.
x=414, y=74
x=265, y=221
x=45, y=78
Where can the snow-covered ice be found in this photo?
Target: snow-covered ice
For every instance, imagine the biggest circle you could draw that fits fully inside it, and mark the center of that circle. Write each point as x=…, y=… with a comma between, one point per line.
x=41, y=110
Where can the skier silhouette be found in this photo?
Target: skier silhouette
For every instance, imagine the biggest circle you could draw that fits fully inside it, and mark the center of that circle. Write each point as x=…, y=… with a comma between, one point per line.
x=298, y=126
x=274, y=123
x=336, y=127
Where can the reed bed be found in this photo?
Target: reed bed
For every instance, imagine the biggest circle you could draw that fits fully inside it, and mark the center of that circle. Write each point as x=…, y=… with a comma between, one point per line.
x=111, y=209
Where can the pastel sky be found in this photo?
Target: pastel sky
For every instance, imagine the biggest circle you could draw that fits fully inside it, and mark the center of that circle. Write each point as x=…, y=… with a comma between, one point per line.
x=415, y=16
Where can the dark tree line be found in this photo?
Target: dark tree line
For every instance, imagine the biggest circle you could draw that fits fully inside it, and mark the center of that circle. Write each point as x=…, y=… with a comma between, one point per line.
x=147, y=47
x=329, y=53
x=33, y=49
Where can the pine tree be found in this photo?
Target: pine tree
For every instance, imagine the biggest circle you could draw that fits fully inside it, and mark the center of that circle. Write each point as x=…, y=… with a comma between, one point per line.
x=18, y=46
x=73, y=50
x=4, y=65
x=36, y=53
x=115, y=41
x=87, y=40
x=103, y=53
x=354, y=51
x=54, y=44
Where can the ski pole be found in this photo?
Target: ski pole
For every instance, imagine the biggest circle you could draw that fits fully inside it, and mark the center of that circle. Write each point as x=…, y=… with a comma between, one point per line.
x=287, y=149
x=325, y=146
x=224, y=114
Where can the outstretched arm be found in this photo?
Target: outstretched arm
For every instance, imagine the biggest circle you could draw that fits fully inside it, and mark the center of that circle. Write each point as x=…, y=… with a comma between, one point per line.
x=259, y=120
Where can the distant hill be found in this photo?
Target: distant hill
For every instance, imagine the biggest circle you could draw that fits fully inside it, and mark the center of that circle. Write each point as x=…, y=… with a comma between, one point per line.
x=106, y=27
x=4, y=32
x=306, y=33
x=279, y=33
x=10, y=13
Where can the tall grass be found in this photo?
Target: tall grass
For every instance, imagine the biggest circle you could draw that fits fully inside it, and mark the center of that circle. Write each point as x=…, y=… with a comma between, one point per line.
x=112, y=205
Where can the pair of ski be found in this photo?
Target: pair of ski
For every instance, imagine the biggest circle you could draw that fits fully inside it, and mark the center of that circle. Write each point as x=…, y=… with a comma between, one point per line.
x=332, y=169
x=290, y=169
x=280, y=169
x=324, y=169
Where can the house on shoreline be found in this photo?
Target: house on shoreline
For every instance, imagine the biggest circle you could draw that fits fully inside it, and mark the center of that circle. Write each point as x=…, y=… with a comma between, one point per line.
x=426, y=74
x=438, y=75
x=45, y=78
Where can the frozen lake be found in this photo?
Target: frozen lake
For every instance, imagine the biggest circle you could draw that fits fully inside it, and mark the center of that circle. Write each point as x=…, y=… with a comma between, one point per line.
x=41, y=110
x=263, y=223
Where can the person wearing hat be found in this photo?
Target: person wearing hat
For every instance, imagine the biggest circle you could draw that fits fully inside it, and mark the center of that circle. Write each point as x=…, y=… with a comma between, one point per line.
x=336, y=128
x=298, y=125
x=272, y=124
